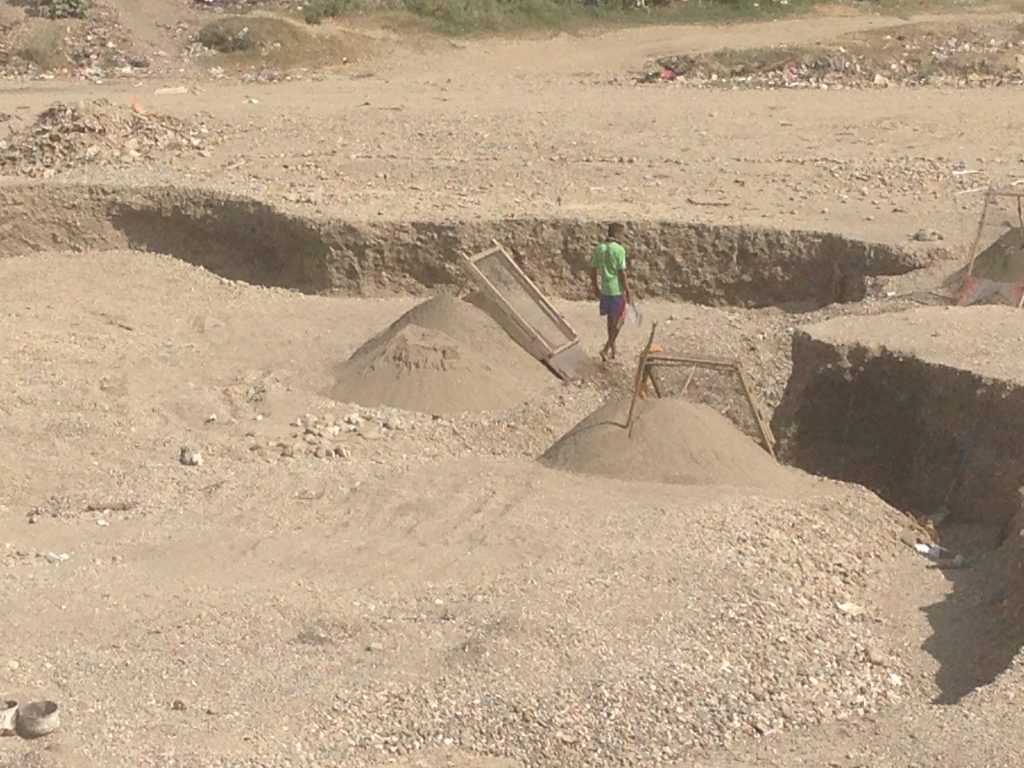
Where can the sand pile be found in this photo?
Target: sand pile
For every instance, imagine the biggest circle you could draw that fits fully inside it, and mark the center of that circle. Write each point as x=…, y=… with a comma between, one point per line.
x=443, y=356
x=65, y=136
x=673, y=441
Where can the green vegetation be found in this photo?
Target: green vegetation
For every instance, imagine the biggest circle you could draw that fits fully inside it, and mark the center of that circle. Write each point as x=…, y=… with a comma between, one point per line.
x=63, y=9
x=469, y=16
x=317, y=11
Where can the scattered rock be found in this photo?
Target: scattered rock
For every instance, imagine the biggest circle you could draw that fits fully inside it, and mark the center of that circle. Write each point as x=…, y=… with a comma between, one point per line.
x=370, y=430
x=178, y=705
x=65, y=136
x=970, y=56
x=926, y=236
x=851, y=609
x=190, y=457
x=875, y=656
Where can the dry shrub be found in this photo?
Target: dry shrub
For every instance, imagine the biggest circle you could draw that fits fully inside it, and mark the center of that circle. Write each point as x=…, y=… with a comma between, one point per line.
x=41, y=42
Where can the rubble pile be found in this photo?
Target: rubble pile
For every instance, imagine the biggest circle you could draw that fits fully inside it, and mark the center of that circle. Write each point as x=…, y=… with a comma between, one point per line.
x=65, y=136
x=961, y=58
x=93, y=48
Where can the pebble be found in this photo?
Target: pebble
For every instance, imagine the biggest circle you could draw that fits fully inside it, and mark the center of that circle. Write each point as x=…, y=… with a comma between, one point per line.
x=190, y=457
x=876, y=656
x=927, y=236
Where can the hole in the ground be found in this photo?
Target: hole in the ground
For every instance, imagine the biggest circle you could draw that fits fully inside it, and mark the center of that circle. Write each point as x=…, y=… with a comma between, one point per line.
x=247, y=240
x=938, y=442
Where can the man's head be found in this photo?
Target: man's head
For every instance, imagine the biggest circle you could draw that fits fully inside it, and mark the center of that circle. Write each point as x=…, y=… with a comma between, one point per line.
x=616, y=232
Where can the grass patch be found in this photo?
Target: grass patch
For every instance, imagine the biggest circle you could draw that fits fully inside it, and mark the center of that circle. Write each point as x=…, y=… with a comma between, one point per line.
x=276, y=42
x=460, y=17
x=251, y=34
x=41, y=42
x=318, y=10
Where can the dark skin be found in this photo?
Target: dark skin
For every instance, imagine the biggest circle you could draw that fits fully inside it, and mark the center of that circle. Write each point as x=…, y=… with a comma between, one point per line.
x=614, y=323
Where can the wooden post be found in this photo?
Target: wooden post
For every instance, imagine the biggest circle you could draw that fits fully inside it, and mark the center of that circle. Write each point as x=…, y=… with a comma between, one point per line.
x=689, y=378
x=653, y=380
x=638, y=381
x=766, y=430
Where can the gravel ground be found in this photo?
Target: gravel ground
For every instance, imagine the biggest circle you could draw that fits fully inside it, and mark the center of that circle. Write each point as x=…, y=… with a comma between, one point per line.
x=335, y=585
x=425, y=584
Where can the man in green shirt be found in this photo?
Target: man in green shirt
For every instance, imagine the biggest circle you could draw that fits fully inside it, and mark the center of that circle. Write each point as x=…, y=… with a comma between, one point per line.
x=608, y=279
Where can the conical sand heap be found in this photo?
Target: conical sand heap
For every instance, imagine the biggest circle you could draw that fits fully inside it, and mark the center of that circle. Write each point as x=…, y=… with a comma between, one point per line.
x=673, y=441
x=442, y=356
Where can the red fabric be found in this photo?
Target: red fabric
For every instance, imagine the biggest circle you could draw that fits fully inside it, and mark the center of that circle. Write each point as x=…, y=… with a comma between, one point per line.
x=978, y=290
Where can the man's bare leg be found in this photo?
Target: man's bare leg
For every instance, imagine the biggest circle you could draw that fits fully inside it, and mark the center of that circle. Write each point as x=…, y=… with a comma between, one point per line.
x=606, y=350
x=614, y=326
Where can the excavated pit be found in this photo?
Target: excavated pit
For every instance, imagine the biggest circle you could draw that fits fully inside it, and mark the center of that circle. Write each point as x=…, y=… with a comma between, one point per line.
x=868, y=402
x=245, y=239
x=899, y=403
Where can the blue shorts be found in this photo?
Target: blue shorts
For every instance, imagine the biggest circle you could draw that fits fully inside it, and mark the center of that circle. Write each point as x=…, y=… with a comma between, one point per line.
x=611, y=305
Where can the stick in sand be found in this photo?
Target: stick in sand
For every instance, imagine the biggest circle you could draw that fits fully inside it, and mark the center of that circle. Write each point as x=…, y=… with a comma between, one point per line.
x=638, y=381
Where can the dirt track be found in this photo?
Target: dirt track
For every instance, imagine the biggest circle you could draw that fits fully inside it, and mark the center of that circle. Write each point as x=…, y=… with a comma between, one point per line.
x=338, y=585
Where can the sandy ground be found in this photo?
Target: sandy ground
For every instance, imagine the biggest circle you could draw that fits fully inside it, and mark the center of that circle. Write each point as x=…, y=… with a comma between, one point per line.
x=505, y=128
x=948, y=336
x=431, y=595
x=338, y=588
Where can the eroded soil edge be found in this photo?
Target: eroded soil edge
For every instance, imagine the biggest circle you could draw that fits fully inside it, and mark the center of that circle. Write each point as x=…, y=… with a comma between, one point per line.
x=246, y=239
x=925, y=437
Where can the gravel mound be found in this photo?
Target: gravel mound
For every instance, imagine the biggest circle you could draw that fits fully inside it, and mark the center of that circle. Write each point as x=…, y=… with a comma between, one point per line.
x=673, y=441
x=637, y=634
x=65, y=136
x=443, y=356
x=962, y=55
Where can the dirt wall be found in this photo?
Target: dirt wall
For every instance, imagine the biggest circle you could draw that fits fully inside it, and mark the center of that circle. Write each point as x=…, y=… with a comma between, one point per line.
x=249, y=240
x=902, y=426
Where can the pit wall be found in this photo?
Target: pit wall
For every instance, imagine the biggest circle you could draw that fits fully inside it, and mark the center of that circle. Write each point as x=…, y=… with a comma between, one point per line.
x=245, y=239
x=899, y=426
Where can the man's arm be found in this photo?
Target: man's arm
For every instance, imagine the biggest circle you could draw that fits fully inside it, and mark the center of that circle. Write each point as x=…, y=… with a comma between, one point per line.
x=623, y=280
x=594, y=284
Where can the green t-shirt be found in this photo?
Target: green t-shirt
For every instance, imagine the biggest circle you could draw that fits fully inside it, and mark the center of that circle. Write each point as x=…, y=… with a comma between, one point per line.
x=609, y=259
